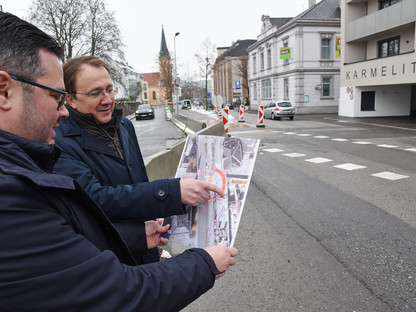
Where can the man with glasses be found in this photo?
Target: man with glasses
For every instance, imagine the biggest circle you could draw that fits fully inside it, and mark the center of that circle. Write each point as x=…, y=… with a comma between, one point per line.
x=58, y=250
x=102, y=153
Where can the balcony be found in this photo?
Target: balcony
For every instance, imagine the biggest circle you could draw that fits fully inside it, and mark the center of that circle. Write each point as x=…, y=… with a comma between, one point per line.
x=398, y=15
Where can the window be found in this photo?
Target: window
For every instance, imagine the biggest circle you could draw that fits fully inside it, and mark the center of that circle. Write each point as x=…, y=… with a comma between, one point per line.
x=325, y=48
x=326, y=90
x=269, y=57
x=145, y=95
x=389, y=47
x=261, y=60
x=286, y=88
x=255, y=91
x=254, y=63
x=266, y=89
x=154, y=95
x=368, y=100
x=386, y=3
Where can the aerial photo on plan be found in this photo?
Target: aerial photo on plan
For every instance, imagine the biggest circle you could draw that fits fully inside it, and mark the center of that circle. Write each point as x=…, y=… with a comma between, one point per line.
x=228, y=163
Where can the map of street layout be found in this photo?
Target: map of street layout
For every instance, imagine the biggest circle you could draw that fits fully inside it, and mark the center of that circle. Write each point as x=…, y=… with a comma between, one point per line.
x=227, y=162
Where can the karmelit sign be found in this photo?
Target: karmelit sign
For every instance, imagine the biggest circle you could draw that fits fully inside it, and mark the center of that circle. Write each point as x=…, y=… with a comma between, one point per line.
x=382, y=71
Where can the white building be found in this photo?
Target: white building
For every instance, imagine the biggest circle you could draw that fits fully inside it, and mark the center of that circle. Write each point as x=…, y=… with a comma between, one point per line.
x=296, y=60
x=378, y=76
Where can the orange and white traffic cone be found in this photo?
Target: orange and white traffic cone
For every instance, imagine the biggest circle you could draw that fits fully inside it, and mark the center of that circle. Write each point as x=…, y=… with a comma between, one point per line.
x=225, y=119
x=241, y=118
x=261, y=117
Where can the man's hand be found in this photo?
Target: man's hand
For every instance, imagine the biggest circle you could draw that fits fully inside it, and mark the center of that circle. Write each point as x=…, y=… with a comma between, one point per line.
x=222, y=256
x=153, y=229
x=195, y=192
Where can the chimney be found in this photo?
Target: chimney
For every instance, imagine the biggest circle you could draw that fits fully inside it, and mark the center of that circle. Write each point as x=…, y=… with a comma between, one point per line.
x=312, y=3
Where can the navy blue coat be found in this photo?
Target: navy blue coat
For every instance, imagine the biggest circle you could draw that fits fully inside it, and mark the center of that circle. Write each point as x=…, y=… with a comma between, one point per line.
x=59, y=251
x=119, y=186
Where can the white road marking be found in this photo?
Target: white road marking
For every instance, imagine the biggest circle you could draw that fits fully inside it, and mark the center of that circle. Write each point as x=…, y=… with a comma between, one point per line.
x=318, y=160
x=389, y=176
x=349, y=166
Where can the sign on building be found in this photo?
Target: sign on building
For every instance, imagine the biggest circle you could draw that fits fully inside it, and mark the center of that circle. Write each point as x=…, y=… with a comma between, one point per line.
x=285, y=53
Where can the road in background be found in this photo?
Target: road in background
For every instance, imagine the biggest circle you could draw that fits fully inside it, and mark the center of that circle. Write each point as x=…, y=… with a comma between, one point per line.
x=155, y=135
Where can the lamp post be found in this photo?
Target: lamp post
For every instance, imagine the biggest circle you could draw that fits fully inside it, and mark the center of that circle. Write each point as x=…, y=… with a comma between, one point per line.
x=174, y=83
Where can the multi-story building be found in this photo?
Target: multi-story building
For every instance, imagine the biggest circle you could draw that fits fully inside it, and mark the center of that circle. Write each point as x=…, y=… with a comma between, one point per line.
x=296, y=59
x=378, y=76
x=230, y=71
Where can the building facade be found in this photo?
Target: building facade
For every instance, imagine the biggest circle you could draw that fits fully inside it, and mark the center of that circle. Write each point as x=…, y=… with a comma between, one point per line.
x=378, y=76
x=298, y=60
x=230, y=72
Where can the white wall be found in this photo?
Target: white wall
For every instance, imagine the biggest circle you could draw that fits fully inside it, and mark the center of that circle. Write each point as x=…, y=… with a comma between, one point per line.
x=393, y=100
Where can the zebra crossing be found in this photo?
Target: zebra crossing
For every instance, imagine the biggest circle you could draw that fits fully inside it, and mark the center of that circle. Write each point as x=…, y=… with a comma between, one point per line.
x=391, y=176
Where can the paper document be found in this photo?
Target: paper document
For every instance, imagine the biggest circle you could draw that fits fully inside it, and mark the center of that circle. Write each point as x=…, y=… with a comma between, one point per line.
x=227, y=162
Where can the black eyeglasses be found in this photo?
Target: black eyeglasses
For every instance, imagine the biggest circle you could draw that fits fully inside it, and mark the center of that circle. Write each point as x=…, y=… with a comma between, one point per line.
x=62, y=94
x=98, y=93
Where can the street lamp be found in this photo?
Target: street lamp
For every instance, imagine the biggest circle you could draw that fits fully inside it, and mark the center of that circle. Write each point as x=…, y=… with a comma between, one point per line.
x=176, y=73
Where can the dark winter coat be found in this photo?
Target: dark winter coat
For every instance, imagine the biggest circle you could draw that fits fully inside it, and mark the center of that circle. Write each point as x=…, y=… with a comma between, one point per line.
x=119, y=186
x=59, y=252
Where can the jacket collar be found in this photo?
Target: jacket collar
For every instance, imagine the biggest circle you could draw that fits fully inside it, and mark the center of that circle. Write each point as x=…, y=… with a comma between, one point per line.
x=33, y=160
x=69, y=128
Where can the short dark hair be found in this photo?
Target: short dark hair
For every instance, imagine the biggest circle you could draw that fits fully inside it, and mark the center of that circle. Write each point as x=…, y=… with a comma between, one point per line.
x=20, y=42
x=72, y=66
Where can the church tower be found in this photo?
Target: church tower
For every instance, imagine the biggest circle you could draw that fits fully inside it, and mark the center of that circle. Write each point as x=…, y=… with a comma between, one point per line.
x=164, y=52
x=165, y=68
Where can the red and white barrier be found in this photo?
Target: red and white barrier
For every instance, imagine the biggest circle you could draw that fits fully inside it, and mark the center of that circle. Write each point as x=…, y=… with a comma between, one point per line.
x=261, y=117
x=225, y=119
x=241, y=117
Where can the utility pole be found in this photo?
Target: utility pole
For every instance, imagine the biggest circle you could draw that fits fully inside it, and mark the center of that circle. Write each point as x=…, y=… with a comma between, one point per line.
x=176, y=74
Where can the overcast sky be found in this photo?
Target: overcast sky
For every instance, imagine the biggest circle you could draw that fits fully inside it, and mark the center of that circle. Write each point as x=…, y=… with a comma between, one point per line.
x=221, y=21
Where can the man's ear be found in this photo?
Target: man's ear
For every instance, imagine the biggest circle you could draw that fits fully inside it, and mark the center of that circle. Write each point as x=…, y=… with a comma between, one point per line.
x=6, y=91
x=71, y=101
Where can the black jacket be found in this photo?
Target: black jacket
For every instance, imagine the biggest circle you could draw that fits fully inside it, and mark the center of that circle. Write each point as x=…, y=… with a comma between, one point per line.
x=59, y=252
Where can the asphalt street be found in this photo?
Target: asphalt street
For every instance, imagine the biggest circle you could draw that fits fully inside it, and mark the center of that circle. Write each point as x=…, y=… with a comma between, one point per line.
x=330, y=221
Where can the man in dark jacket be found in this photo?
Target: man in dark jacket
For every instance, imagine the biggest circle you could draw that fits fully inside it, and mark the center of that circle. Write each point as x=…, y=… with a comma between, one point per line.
x=58, y=250
x=101, y=152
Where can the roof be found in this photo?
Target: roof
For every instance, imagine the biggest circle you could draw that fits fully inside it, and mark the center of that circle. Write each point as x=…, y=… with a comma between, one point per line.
x=239, y=48
x=164, y=52
x=152, y=79
x=279, y=21
x=324, y=10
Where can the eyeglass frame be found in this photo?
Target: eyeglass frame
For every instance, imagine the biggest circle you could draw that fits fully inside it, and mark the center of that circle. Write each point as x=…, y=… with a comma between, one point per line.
x=102, y=93
x=30, y=82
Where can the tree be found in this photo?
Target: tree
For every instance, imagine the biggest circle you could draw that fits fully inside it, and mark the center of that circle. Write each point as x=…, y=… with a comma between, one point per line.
x=104, y=35
x=62, y=19
x=241, y=70
x=166, y=75
x=79, y=26
x=206, y=60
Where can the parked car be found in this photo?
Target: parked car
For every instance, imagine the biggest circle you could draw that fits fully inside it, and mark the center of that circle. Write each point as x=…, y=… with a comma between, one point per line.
x=277, y=110
x=228, y=104
x=186, y=104
x=145, y=111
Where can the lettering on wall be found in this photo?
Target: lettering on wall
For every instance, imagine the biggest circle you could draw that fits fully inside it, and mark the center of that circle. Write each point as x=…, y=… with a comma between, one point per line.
x=382, y=71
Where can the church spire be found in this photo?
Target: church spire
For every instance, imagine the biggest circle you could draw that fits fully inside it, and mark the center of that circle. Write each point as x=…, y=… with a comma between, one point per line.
x=164, y=52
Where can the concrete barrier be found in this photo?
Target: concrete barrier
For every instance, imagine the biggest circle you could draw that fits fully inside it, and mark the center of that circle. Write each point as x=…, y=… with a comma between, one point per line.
x=163, y=165
x=187, y=125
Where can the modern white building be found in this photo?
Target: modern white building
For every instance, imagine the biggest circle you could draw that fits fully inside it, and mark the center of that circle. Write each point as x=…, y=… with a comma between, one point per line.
x=298, y=60
x=378, y=72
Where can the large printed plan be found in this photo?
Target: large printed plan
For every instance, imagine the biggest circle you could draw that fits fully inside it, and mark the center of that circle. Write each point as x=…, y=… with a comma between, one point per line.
x=228, y=163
